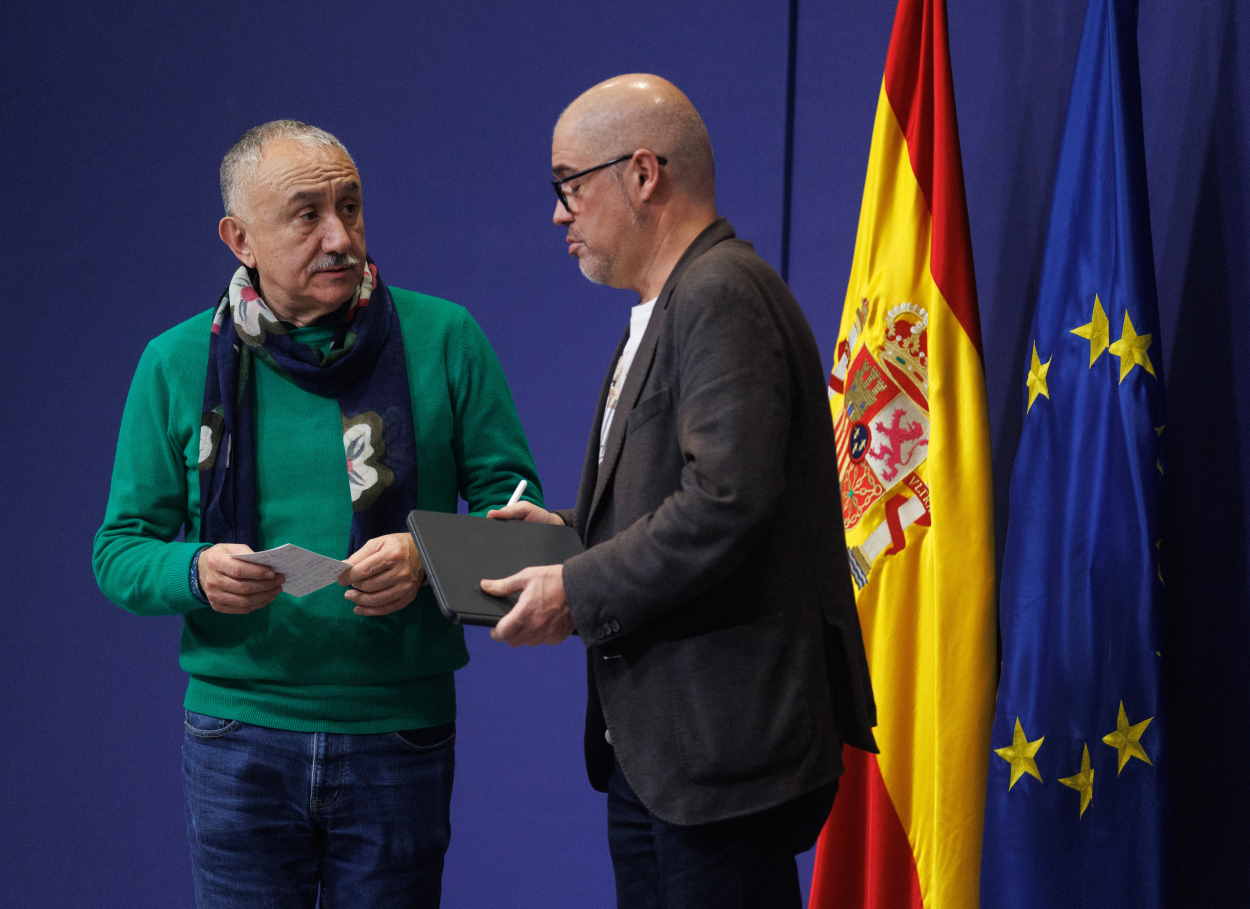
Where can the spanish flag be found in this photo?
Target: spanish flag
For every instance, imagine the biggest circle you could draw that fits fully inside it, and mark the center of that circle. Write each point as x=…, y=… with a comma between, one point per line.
x=907, y=393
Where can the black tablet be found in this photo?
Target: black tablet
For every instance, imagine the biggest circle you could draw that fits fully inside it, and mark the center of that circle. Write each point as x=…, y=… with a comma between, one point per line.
x=459, y=550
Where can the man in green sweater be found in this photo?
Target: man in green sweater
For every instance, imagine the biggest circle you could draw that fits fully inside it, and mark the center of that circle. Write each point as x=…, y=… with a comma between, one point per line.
x=318, y=752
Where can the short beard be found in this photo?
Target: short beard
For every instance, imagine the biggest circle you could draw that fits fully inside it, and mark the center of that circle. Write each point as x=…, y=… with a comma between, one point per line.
x=596, y=269
x=600, y=268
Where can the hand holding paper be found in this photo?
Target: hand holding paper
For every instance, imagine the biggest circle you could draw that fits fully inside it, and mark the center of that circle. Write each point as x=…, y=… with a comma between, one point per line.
x=386, y=573
x=232, y=584
x=300, y=570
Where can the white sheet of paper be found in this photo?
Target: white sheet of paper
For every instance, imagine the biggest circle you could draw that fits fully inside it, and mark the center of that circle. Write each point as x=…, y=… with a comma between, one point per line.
x=303, y=569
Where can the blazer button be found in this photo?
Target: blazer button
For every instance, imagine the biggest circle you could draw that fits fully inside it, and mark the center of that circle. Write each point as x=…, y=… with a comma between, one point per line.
x=607, y=736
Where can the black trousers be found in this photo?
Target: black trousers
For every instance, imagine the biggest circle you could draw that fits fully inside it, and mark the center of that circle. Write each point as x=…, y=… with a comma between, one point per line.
x=743, y=863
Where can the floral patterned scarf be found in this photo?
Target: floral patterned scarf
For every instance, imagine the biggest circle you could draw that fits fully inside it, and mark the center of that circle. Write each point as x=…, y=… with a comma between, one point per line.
x=363, y=369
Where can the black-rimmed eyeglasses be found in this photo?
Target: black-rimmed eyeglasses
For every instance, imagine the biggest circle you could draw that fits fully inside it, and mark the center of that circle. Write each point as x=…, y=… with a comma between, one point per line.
x=558, y=185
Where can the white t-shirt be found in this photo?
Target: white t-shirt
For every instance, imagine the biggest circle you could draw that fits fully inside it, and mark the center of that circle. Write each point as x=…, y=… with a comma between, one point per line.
x=639, y=316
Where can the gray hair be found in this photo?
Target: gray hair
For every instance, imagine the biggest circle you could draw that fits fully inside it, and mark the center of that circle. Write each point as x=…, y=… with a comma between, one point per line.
x=240, y=162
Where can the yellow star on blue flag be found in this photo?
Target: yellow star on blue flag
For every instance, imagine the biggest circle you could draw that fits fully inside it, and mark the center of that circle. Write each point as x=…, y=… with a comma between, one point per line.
x=1036, y=380
x=1097, y=331
x=1132, y=349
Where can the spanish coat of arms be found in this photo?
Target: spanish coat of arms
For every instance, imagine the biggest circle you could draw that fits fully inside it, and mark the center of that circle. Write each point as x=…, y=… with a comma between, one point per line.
x=882, y=431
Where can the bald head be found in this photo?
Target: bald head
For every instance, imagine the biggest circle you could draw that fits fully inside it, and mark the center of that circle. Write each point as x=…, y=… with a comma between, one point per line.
x=639, y=110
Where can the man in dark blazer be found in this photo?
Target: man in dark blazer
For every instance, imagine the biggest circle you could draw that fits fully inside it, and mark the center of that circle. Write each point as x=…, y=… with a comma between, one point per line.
x=726, y=665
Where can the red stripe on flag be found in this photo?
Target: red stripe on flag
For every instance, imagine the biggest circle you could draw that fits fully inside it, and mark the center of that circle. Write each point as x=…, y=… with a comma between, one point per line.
x=918, y=84
x=860, y=864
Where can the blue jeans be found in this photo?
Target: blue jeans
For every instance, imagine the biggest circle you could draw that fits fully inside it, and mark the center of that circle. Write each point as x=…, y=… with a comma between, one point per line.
x=281, y=819
x=743, y=863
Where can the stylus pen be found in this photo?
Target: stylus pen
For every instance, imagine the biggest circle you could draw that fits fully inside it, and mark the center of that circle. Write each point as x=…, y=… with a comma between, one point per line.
x=516, y=493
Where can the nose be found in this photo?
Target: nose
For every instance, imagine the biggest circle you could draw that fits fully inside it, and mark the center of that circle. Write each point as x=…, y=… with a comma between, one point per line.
x=335, y=237
x=561, y=215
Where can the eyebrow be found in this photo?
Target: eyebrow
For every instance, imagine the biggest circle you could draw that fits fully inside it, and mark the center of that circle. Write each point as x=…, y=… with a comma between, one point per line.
x=311, y=195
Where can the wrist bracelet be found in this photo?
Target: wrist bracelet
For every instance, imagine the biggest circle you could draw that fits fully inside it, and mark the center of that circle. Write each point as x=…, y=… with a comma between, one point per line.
x=196, y=590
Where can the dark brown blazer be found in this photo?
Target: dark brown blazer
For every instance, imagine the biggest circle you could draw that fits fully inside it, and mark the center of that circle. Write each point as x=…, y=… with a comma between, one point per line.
x=724, y=650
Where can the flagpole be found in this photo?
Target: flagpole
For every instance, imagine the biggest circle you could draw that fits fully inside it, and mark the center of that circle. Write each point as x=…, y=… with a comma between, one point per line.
x=787, y=185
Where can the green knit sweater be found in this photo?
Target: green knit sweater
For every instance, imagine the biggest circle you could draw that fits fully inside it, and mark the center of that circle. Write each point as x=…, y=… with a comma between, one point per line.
x=307, y=664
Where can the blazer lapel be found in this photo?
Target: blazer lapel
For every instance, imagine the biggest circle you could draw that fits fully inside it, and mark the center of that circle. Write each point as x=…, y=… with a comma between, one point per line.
x=640, y=369
x=590, y=465
x=637, y=377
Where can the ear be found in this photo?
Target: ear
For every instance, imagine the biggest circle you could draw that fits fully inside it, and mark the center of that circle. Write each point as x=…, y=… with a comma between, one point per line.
x=647, y=173
x=233, y=233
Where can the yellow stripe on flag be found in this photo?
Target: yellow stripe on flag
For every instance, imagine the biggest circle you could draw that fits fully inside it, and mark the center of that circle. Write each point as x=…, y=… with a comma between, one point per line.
x=914, y=464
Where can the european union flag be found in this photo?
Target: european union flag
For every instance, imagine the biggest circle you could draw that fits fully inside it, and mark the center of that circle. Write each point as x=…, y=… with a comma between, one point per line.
x=1074, y=795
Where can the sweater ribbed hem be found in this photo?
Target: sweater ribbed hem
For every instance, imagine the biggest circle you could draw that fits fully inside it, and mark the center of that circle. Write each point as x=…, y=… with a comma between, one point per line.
x=360, y=709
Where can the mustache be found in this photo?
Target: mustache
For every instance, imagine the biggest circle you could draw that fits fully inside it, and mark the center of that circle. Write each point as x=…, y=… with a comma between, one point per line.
x=332, y=261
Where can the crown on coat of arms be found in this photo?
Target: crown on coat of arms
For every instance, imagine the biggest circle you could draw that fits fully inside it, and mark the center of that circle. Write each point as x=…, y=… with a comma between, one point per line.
x=906, y=346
